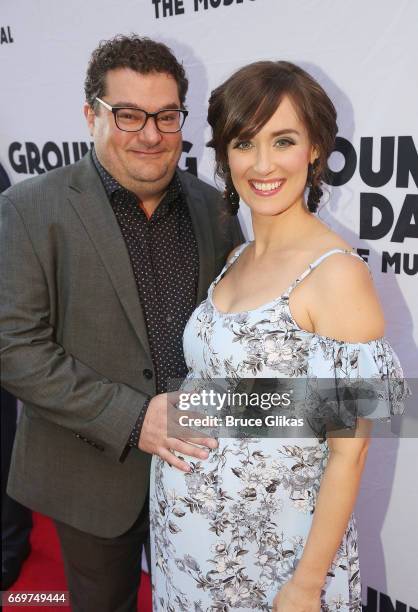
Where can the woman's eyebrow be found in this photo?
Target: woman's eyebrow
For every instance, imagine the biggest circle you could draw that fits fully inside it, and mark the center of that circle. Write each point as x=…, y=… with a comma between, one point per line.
x=287, y=131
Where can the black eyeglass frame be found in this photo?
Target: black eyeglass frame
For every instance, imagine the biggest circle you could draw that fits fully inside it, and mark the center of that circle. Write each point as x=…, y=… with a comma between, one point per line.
x=115, y=109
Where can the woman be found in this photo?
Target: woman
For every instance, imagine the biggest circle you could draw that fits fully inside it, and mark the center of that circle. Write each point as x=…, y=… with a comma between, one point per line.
x=266, y=523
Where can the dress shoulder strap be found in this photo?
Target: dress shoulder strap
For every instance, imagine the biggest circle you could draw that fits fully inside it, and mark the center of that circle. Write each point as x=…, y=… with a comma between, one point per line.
x=234, y=256
x=232, y=259
x=317, y=262
x=320, y=259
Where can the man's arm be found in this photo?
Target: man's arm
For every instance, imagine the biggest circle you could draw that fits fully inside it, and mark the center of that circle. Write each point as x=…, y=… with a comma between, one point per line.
x=36, y=368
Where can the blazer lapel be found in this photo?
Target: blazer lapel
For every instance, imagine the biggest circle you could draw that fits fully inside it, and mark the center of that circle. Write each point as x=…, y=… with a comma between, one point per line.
x=89, y=199
x=203, y=231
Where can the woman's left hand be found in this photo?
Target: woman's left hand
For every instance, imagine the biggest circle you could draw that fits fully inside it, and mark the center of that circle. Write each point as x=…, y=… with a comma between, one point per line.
x=293, y=598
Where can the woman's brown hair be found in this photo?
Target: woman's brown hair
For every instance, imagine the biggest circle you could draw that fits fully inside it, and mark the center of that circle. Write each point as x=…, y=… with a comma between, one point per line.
x=245, y=102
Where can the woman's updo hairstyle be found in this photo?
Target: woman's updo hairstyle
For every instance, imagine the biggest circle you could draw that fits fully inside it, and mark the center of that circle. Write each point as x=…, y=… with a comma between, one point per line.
x=245, y=102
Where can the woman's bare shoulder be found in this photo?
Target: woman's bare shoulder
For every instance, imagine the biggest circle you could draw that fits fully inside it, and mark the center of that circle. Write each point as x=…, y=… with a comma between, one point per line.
x=345, y=304
x=327, y=239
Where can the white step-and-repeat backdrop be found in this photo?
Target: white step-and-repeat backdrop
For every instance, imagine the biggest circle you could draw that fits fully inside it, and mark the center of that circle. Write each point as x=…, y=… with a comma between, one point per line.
x=365, y=54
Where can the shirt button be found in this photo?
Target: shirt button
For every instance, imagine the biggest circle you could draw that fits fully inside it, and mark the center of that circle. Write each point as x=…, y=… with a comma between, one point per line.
x=169, y=318
x=147, y=373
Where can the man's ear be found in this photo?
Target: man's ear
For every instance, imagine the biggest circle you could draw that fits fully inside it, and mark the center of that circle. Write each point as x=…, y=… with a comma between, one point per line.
x=90, y=116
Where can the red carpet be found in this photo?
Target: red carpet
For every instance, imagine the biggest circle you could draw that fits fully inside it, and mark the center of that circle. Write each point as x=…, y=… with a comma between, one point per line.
x=44, y=571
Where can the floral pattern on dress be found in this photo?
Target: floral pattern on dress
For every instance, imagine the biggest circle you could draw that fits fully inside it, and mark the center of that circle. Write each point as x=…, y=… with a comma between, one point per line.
x=226, y=536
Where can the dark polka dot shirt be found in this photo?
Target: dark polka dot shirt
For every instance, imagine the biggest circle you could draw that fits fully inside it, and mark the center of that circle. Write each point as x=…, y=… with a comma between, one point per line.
x=165, y=262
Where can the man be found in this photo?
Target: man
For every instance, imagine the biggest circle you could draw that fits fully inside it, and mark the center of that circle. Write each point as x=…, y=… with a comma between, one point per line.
x=103, y=262
x=16, y=520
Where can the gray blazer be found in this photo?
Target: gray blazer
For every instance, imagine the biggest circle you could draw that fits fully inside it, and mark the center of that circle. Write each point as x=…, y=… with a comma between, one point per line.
x=74, y=345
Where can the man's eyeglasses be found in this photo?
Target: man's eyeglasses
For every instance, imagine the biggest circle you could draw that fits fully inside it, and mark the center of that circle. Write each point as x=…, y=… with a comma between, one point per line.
x=167, y=120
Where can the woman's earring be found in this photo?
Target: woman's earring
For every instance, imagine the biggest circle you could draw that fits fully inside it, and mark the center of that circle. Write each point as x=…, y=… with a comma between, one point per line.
x=232, y=197
x=313, y=183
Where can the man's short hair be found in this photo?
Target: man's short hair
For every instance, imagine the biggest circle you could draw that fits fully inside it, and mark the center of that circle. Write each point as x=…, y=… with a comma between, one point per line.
x=142, y=55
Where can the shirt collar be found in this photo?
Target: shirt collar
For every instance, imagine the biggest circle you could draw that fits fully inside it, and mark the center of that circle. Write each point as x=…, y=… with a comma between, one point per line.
x=110, y=184
x=173, y=195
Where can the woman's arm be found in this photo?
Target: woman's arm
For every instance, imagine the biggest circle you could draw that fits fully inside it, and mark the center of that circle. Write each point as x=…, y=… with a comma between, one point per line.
x=344, y=306
x=334, y=505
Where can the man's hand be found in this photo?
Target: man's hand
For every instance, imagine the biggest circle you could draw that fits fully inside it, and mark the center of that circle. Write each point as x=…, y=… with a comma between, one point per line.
x=161, y=415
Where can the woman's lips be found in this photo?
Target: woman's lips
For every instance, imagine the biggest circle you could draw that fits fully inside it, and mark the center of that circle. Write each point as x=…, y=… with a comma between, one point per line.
x=266, y=188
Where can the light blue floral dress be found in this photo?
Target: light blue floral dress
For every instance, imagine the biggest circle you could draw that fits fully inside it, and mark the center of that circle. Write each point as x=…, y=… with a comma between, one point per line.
x=228, y=535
